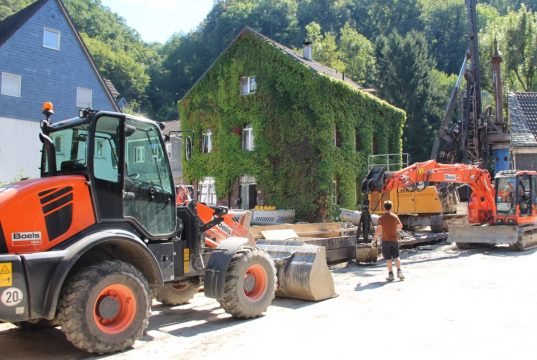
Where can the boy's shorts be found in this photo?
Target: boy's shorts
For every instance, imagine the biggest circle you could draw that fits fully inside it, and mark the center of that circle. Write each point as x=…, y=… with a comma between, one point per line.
x=390, y=249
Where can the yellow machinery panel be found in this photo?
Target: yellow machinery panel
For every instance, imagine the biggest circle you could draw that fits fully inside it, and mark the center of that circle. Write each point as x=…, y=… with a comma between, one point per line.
x=408, y=202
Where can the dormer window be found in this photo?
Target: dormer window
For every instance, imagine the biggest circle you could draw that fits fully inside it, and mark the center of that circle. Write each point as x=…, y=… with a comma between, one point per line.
x=248, y=85
x=51, y=39
x=248, y=138
x=207, y=142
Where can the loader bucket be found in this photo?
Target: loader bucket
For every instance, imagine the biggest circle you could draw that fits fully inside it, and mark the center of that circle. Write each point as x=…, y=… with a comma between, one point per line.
x=301, y=268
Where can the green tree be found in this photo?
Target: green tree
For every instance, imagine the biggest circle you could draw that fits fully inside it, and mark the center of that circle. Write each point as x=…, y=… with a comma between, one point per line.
x=445, y=27
x=380, y=17
x=404, y=79
x=10, y=7
x=358, y=55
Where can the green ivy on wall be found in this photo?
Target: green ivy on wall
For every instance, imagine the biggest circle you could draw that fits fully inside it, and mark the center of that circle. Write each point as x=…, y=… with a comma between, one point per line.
x=294, y=114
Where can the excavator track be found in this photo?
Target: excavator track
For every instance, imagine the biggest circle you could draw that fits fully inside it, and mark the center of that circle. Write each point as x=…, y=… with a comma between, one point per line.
x=527, y=238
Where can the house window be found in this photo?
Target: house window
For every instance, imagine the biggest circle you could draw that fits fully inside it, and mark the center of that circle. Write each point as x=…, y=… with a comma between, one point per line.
x=207, y=190
x=358, y=190
x=11, y=85
x=83, y=98
x=335, y=192
x=58, y=144
x=99, y=146
x=375, y=145
x=139, y=154
x=248, y=85
x=337, y=136
x=357, y=140
x=51, y=39
x=207, y=142
x=169, y=150
x=248, y=138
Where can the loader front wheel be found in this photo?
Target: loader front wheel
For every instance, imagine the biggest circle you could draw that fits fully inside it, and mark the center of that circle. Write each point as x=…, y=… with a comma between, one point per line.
x=250, y=283
x=104, y=308
x=177, y=293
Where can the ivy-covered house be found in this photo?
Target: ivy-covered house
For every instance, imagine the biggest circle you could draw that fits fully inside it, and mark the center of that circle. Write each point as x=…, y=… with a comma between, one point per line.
x=273, y=127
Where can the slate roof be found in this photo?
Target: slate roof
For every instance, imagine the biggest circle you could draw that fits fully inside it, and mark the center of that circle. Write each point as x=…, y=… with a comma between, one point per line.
x=314, y=65
x=12, y=23
x=523, y=116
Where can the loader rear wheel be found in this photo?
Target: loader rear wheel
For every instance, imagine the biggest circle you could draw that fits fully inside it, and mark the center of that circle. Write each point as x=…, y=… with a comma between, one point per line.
x=105, y=307
x=177, y=293
x=250, y=283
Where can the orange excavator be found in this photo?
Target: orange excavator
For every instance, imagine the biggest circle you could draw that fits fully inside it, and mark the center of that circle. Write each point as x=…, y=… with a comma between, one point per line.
x=501, y=213
x=89, y=243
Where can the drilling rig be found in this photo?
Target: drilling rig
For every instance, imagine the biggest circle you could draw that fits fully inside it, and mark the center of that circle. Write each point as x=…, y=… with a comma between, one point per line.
x=478, y=132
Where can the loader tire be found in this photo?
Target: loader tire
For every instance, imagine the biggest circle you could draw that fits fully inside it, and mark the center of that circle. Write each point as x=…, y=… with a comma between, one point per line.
x=105, y=307
x=250, y=283
x=177, y=293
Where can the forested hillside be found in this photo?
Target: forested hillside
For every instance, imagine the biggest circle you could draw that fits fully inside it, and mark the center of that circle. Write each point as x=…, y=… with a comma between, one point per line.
x=406, y=49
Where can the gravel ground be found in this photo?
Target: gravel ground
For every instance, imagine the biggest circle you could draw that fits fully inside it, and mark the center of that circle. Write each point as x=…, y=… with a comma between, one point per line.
x=478, y=304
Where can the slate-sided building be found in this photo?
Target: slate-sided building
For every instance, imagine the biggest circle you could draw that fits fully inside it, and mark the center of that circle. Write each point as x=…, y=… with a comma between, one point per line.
x=42, y=58
x=523, y=119
x=273, y=127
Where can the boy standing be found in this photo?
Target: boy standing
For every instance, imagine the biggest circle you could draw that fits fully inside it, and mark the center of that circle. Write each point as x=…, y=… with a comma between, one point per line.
x=387, y=228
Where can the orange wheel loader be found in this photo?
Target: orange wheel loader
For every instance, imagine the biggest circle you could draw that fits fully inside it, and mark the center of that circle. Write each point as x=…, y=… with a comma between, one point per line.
x=87, y=244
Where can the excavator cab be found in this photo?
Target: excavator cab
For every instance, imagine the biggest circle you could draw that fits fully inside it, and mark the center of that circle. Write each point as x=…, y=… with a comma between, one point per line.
x=516, y=197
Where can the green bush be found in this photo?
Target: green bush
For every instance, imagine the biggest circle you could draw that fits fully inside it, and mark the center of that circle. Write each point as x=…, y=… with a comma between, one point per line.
x=293, y=114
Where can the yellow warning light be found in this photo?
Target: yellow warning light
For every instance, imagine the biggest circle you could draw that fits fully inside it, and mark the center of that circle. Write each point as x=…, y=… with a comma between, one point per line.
x=47, y=106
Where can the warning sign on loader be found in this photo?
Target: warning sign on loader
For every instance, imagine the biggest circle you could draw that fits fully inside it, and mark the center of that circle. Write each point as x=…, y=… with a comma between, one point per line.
x=6, y=276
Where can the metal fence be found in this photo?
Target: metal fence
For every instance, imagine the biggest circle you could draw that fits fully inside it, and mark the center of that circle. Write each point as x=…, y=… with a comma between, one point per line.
x=392, y=162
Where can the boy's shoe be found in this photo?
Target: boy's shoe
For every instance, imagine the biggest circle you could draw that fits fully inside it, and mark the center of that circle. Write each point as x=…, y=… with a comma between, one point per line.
x=390, y=277
x=400, y=275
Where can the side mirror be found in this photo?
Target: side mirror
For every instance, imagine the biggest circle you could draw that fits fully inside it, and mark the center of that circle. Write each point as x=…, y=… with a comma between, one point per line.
x=129, y=130
x=188, y=148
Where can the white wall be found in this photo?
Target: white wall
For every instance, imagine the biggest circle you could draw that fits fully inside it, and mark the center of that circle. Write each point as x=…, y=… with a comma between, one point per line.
x=20, y=149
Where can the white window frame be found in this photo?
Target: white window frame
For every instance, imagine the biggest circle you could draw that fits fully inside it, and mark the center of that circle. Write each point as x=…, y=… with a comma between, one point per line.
x=99, y=147
x=207, y=190
x=58, y=144
x=81, y=103
x=335, y=190
x=248, y=85
x=169, y=148
x=58, y=34
x=248, y=141
x=11, y=82
x=139, y=154
x=207, y=142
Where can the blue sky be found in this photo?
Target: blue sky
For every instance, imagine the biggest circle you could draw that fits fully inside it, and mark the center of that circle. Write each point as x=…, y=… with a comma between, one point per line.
x=158, y=20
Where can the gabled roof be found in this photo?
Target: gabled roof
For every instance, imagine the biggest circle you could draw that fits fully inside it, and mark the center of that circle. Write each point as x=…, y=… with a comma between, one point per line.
x=9, y=25
x=314, y=65
x=523, y=116
x=12, y=23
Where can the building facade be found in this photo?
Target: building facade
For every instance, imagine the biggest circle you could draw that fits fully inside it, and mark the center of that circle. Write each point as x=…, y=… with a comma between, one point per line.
x=276, y=128
x=42, y=58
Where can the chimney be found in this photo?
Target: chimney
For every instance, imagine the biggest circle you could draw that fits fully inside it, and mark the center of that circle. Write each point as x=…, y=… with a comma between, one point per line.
x=307, y=51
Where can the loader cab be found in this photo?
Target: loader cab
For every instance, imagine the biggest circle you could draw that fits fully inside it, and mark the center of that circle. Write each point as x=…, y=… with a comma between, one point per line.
x=516, y=196
x=124, y=161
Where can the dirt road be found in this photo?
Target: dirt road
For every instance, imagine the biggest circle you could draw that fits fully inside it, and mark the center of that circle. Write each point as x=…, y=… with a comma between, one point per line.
x=479, y=304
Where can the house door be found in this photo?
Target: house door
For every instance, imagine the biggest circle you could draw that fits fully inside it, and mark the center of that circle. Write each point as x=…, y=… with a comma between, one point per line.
x=248, y=192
